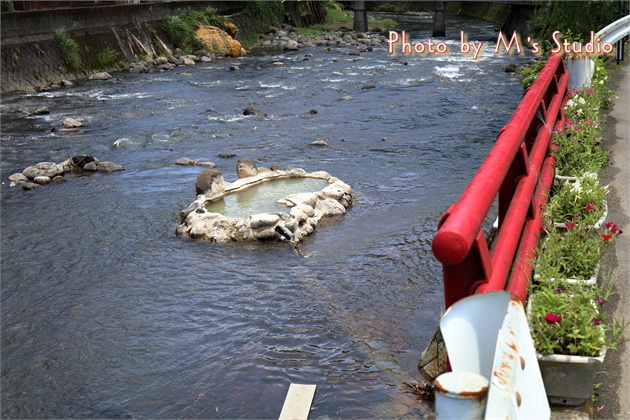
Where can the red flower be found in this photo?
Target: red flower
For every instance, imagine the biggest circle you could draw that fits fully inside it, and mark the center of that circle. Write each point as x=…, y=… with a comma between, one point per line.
x=569, y=225
x=606, y=237
x=612, y=228
x=591, y=206
x=596, y=321
x=551, y=318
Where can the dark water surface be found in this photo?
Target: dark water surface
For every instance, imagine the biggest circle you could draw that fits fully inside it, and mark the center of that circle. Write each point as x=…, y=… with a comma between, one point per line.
x=106, y=313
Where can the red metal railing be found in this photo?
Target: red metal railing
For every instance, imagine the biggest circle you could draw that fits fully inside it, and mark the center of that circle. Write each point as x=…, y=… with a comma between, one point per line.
x=519, y=168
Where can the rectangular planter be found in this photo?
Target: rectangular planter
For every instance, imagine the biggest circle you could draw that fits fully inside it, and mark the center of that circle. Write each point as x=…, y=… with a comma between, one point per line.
x=597, y=225
x=569, y=379
x=561, y=179
x=588, y=282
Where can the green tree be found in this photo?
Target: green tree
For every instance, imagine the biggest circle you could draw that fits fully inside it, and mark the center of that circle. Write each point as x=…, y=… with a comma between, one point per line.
x=574, y=19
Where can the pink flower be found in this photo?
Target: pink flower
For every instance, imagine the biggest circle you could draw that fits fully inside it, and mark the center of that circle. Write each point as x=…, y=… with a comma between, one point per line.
x=596, y=321
x=569, y=225
x=551, y=318
x=600, y=301
x=569, y=92
x=612, y=228
x=591, y=206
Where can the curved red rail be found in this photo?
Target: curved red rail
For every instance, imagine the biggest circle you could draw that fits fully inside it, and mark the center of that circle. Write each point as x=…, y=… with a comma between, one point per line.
x=518, y=171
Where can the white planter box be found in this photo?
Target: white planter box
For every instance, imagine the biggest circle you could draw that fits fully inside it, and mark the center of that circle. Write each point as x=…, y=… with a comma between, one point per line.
x=569, y=379
x=588, y=282
x=597, y=225
x=561, y=179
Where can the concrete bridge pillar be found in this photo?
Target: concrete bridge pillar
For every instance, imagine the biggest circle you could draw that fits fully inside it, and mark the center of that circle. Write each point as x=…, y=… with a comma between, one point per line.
x=360, y=17
x=439, y=21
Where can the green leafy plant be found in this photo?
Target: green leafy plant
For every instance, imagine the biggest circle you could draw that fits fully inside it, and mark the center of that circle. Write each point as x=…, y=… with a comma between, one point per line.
x=69, y=50
x=6, y=6
x=578, y=144
x=530, y=73
x=108, y=58
x=572, y=18
x=574, y=253
x=582, y=201
x=570, y=319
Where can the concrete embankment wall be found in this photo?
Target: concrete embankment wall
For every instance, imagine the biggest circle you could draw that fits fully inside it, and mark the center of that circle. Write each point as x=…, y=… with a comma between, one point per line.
x=31, y=56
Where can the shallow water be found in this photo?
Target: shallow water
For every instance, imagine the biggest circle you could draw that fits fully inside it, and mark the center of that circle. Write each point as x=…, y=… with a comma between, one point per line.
x=106, y=313
x=262, y=198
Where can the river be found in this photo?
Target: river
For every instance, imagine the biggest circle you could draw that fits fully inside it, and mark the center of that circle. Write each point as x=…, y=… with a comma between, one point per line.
x=106, y=313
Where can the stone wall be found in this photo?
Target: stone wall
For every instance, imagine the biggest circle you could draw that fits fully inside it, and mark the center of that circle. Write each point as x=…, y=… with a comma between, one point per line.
x=31, y=57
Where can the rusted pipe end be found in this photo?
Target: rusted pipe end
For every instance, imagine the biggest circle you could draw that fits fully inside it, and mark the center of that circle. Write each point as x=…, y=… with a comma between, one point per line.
x=450, y=247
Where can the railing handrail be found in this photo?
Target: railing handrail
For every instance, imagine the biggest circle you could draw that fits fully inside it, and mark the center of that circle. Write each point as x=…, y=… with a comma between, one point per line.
x=511, y=170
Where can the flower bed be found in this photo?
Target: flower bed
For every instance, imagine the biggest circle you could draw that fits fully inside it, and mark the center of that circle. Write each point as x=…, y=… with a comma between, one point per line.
x=567, y=318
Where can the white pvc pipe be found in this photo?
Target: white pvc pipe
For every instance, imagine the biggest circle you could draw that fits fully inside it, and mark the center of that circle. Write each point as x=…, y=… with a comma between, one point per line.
x=460, y=396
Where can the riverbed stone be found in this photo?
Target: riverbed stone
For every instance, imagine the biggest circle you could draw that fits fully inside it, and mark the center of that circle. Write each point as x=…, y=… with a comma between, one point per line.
x=49, y=169
x=210, y=183
x=263, y=220
x=185, y=161
x=79, y=162
x=92, y=166
x=18, y=178
x=252, y=110
x=42, y=111
x=207, y=164
x=245, y=168
x=71, y=123
x=100, y=76
x=29, y=185
x=42, y=180
x=110, y=167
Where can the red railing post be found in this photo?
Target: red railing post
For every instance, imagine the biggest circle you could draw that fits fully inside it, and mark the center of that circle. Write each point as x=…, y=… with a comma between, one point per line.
x=512, y=170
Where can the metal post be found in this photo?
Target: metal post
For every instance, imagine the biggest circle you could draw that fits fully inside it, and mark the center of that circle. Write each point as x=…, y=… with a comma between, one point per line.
x=439, y=23
x=360, y=17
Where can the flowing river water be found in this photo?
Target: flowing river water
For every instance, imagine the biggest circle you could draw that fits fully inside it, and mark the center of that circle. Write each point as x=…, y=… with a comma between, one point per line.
x=106, y=313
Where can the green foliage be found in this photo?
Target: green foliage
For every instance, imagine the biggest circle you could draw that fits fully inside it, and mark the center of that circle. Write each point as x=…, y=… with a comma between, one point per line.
x=582, y=201
x=6, y=6
x=108, y=58
x=181, y=32
x=256, y=18
x=529, y=74
x=573, y=253
x=69, y=50
x=181, y=29
x=574, y=19
x=579, y=141
x=569, y=319
x=270, y=13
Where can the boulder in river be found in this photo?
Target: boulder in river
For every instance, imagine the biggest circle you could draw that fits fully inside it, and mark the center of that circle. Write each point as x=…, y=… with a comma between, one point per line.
x=100, y=76
x=246, y=168
x=219, y=42
x=210, y=183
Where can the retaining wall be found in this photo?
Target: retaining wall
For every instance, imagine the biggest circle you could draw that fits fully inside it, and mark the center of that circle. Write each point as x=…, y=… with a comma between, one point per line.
x=31, y=56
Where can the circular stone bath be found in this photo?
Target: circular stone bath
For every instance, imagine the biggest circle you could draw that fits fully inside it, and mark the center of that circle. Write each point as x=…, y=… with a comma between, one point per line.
x=252, y=207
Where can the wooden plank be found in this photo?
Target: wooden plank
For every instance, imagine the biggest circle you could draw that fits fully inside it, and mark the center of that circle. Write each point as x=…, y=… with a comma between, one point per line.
x=297, y=404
